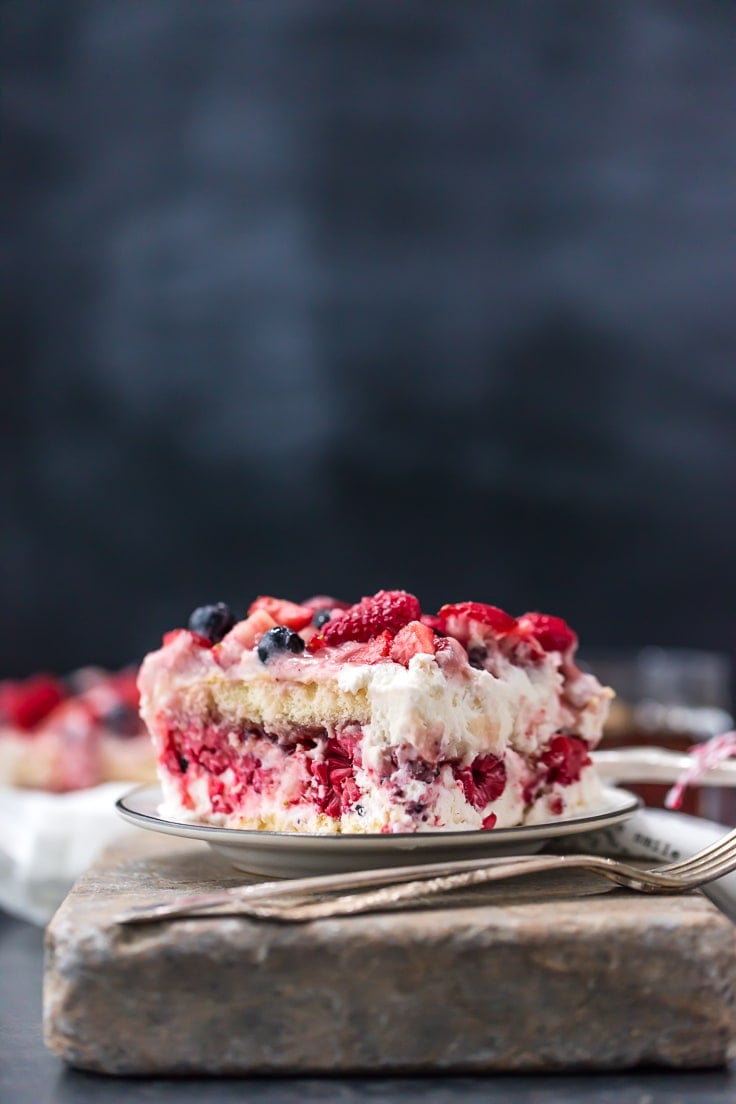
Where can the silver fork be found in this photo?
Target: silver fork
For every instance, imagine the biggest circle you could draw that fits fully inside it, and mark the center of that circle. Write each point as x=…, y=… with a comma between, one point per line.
x=293, y=901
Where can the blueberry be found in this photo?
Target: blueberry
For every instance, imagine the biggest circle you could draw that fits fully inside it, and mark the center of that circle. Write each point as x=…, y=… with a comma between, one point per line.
x=212, y=622
x=279, y=639
x=122, y=719
x=321, y=618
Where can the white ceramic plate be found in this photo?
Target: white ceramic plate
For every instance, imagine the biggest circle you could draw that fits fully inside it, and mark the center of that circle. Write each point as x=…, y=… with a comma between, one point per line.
x=293, y=855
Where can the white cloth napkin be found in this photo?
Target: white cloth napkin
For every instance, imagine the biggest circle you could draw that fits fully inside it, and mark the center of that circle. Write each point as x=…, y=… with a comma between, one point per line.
x=48, y=840
x=663, y=836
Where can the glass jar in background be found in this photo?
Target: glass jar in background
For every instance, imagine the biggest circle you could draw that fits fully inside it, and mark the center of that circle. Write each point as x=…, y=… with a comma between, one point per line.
x=669, y=698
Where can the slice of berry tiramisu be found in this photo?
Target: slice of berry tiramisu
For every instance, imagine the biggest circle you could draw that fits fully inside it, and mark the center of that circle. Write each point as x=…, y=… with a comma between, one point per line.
x=70, y=734
x=321, y=717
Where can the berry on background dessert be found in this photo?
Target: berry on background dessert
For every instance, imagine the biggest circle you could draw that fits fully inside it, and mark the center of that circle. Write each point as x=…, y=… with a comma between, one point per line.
x=320, y=717
x=61, y=735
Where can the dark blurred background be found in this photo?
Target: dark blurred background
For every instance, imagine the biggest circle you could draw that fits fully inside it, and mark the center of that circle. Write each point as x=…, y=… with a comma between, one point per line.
x=313, y=296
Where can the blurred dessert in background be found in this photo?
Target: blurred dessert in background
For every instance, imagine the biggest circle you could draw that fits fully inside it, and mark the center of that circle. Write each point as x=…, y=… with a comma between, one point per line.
x=69, y=734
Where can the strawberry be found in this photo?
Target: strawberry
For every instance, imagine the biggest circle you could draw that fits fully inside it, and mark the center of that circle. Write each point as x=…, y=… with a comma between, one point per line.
x=324, y=602
x=249, y=632
x=369, y=651
x=413, y=639
x=388, y=610
x=551, y=633
x=195, y=638
x=496, y=619
x=25, y=704
x=475, y=620
x=283, y=613
x=432, y=622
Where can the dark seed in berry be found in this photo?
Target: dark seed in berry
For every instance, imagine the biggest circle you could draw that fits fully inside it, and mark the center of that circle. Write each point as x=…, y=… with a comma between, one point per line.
x=212, y=622
x=279, y=639
x=321, y=618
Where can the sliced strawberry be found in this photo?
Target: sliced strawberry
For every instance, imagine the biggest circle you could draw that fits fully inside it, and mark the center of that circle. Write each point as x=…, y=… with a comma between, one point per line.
x=175, y=634
x=496, y=619
x=387, y=610
x=283, y=613
x=551, y=633
x=325, y=601
x=432, y=622
x=249, y=632
x=25, y=704
x=475, y=622
x=413, y=639
x=369, y=651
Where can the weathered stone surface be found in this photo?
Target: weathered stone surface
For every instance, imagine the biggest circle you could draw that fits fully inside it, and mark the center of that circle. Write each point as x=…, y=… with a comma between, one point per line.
x=534, y=977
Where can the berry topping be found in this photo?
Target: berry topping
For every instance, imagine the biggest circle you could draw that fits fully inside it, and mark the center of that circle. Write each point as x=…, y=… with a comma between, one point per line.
x=191, y=637
x=247, y=633
x=413, y=639
x=456, y=619
x=551, y=633
x=212, y=622
x=388, y=610
x=369, y=652
x=283, y=612
x=280, y=639
x=321, y=618
x=25, y=704
x=433, y=623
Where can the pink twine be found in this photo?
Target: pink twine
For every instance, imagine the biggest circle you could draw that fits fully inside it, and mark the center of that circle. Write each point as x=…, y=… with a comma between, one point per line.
x=705, y=757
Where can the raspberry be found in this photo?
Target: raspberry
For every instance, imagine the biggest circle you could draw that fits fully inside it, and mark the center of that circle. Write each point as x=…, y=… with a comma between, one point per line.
x=284, y=613
x=551, y=633
x=483, y=781
x=413, y=639
x=564, y=759
x=387, y=610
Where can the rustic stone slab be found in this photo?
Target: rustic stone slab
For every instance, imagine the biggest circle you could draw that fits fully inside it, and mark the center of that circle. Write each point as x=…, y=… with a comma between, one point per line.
x=530, y=977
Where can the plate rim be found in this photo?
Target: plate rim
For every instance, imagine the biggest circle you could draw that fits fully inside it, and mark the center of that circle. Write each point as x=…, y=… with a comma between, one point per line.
x=212, y=833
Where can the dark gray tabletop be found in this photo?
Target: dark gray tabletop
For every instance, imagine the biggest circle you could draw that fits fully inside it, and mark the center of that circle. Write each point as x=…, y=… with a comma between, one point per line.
x=29, y=1073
